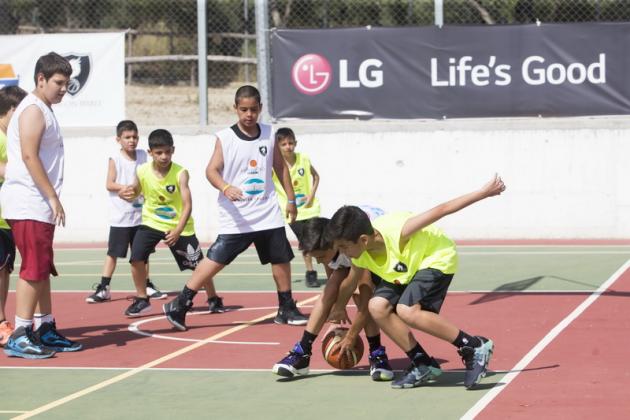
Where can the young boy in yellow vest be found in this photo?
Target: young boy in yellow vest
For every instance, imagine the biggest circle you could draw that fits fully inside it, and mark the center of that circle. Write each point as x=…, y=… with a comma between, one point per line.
x=416, y=262
x=166, y=216
x=305, y=180
x=10, y=98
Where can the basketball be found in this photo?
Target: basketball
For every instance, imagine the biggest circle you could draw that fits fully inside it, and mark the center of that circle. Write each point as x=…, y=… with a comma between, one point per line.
x=330, y=350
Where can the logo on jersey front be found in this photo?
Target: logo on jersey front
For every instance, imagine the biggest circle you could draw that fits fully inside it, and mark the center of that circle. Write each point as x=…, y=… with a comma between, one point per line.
x=301, y=171
x=81, y=65
x=170, y=188
x=166, y=213
x=311, y=74
x=254, y=186
x=400, y=268
x=263, y=150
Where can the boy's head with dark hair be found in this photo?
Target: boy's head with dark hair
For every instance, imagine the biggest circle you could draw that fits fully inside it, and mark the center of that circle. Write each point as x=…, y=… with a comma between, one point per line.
x=51, y=64
x=125, y=125
x=314, y=241
x=10, y=98
x=285, y=133
x=247, y=91
x=161, y=148
x=160, y=138
x=350, y=230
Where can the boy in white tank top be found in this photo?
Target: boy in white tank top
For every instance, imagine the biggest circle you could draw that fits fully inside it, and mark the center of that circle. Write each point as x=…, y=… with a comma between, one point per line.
x=240, y=167
x=125, y=217
x=30, y=203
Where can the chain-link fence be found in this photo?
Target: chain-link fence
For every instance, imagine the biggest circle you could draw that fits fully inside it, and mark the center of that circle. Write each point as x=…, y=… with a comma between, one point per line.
x=161, y=36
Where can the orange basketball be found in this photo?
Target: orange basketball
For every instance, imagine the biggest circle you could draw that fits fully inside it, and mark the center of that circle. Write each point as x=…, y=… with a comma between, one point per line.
x=330, y=350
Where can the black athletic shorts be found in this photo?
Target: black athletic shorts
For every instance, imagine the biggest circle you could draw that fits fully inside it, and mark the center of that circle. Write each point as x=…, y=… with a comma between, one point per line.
x=428, y=288
x=7, y=250
x=120, y=239
x=186, y=250
x=272, y=246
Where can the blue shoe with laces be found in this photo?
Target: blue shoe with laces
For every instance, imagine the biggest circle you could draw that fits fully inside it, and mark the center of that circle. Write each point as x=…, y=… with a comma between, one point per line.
x=25, y=344
x=50, y=337
x=294, y=364
x=476, y=360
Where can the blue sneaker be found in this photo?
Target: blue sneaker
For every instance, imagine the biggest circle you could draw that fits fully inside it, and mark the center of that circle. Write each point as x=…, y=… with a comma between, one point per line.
x=418, y=374
x=476, y=360
x=380, y=369
x=50, y=337
x=25, y=344
x=295, y=363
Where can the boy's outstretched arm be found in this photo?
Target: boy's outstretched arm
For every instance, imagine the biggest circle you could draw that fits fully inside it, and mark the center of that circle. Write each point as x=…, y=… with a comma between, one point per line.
x=282, y=172
x=422, y=220
x=214, y=175
x=172, y=236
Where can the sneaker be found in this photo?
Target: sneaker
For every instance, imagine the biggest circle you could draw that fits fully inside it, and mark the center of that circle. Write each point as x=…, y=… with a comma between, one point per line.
x=416, y=375
x=6, y=329
x=24, y=343
x=176, y=313
x=476, y=360
x=155, y=293
x=380, y=369
x=215, y=305
x=295, y=363
x=138, y=307
x=50, y=337
x=290, y=314
x=101, y=294
x=310, y=279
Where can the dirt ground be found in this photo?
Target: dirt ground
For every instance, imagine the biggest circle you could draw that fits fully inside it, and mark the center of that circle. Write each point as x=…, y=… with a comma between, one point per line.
x=178, y=105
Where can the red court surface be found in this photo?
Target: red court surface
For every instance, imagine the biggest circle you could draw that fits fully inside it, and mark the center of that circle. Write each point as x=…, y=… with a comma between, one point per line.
x=583, y=373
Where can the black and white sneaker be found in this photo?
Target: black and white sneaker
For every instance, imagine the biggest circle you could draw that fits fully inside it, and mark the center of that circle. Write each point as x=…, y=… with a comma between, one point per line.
x=293, y=364
x=290, y=314
x=155, y=293
x=215, y=305
x=476, y=360
x=101, y=294
x=176, y=313
x=138, y=307
x=310, y=279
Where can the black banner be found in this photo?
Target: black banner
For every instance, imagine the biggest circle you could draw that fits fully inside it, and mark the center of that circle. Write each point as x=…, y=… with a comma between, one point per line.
x=454, y=71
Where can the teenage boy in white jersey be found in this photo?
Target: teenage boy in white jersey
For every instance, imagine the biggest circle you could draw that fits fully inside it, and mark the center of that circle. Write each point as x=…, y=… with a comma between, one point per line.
x=30, y=203
x=314, y=243
x=240, y=168
x=416, y=262
x=10, y=98
x=125, y=217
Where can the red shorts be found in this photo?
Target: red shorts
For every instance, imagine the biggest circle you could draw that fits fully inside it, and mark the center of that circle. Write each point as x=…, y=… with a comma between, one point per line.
x=34, y=241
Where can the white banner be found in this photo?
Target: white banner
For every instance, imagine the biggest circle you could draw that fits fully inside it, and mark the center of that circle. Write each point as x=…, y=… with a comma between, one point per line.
x=96, y=93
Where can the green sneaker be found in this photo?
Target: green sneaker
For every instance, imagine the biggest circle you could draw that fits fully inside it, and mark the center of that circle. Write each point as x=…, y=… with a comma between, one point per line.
x=417, y=375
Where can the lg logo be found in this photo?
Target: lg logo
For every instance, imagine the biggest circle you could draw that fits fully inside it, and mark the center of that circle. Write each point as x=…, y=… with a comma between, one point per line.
x=312, y=74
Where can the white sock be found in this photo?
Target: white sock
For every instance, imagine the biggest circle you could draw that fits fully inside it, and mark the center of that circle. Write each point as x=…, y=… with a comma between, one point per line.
x=21, y=322
x=39, y=319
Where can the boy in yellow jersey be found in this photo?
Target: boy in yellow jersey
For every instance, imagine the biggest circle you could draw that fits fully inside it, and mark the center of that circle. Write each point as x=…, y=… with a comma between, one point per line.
x=305, y=181
x=10, y=98
x=416, y=262
x=166, y=216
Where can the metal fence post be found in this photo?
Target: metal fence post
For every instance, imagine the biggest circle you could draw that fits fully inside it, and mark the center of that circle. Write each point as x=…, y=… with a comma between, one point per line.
x=263, y=57
x=439, y=12
x=202, y=58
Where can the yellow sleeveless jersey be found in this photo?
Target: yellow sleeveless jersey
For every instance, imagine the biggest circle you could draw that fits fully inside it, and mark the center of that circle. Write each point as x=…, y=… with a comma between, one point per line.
x=3, y=159
x=427, y=248
x=163, y=205
x=302, y=179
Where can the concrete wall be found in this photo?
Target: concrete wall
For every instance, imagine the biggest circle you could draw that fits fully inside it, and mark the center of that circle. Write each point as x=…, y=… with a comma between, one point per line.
x=566, y=178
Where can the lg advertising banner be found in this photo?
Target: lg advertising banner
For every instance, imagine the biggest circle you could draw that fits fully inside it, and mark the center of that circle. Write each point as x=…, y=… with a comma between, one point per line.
x=96, y=92
x=459, y=71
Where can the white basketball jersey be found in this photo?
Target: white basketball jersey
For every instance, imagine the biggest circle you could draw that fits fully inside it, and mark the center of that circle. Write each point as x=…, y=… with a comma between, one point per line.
x=20, y=198
x=247, y=164
x=123, y=213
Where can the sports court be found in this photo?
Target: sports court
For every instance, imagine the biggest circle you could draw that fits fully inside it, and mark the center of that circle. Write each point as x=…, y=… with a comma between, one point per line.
x=556, y=313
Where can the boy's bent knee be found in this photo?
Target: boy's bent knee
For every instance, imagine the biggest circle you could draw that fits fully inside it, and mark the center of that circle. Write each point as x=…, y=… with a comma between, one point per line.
x=379, y=307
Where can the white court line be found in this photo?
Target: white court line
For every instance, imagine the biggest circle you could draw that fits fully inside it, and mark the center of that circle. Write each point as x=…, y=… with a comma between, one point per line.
x=538, y=348
x=134, y=328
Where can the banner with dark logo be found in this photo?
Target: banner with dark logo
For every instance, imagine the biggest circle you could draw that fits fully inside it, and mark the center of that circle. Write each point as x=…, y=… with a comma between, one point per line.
x=459, y=71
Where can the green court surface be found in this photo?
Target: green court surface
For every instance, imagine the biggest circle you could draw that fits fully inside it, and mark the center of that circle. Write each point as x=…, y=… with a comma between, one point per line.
x=235, y=393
